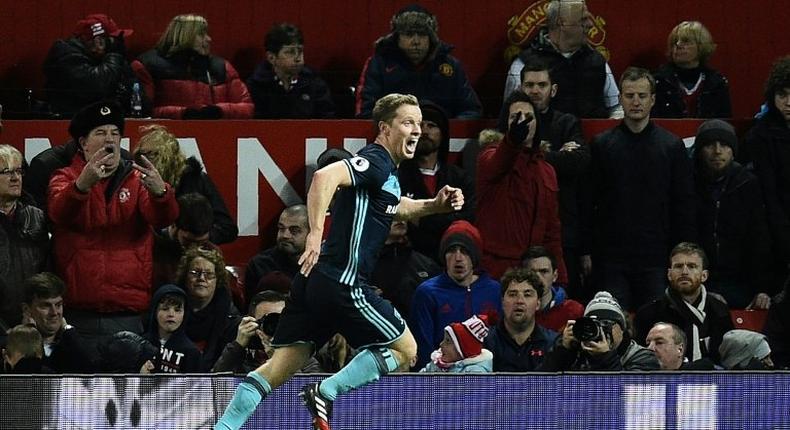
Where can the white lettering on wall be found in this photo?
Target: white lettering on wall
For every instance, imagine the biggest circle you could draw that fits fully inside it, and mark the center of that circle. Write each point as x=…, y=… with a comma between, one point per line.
x=313, y=147
x=354, y=144
x=35, y=146
x=189, y=147
x=252, y=158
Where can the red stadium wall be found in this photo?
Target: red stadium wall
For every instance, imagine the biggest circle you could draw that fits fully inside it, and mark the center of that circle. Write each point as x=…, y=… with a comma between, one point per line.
x=262, y=166
x=339, y=35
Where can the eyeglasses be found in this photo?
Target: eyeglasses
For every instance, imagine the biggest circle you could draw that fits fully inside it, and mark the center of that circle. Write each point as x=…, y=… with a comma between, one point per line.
x=10, y=172
x=197, y=274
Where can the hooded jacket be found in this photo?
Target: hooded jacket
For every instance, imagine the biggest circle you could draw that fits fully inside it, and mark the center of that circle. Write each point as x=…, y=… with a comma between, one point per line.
x=517, y=206
x=178, y=354
x=189, y=80
x=481, y=363
x=440, y=301
x=440, y=78
x=628, y=356
x=195, y=180
x=561, y=309
x=308, y=98
x=103, y=239
x=425, y=237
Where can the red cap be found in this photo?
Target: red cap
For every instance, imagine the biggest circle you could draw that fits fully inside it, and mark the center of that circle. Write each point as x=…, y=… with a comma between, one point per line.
x=98, y=24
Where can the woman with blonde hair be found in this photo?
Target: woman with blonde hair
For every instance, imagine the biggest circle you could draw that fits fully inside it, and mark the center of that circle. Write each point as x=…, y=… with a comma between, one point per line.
x=687, y=87
x=185, y=81
x=186, y=176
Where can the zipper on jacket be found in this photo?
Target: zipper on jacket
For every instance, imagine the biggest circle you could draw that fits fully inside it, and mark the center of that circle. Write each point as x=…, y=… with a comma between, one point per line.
x=716, y=228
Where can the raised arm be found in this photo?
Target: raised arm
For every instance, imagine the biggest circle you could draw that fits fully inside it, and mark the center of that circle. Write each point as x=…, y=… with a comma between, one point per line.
x=448, y=199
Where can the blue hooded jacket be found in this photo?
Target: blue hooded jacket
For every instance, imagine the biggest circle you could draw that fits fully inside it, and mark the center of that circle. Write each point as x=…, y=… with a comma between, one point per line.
x=178, y=354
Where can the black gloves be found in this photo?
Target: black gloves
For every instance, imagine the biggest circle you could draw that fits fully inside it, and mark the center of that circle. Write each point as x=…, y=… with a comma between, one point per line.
x=518, y=130
x=206, y=112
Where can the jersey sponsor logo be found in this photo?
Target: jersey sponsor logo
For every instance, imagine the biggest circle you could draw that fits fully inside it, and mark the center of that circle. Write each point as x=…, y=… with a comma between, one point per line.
x=359, y=164
x=392, y=186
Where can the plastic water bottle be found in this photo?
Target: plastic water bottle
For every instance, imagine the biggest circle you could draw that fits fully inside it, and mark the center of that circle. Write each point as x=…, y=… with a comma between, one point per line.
x=136, y=102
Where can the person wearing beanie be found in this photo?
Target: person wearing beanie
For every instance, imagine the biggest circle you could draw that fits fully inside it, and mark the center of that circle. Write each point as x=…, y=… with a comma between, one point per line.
x=411, y=59
x=103, y=209
x=731, y=220
x=703, y=316
x=745, y=350
x=429, y=171
x=459, y=292
x=612, y=350
x=521, y=206
x=88, y=67
x=766, y=149
x=461, y=350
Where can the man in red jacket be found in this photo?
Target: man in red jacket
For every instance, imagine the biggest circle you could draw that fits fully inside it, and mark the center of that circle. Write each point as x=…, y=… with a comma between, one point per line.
x=517, y=203
x=102, y=209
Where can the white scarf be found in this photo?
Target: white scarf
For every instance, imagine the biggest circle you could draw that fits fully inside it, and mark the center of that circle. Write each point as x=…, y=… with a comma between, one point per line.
x=699, y=313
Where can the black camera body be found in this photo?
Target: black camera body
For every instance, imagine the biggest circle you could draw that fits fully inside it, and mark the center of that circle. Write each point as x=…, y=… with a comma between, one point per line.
x=268, y=325
x=591, y=329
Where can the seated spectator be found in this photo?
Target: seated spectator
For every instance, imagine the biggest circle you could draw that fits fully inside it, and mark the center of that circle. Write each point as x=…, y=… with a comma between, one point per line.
x=400, y=268
x=211, y=319
x=563, y=45
x=731, y=221
x=461, y=350
x=283, y=257
x=89, y=67
x=282, y=87
x=183, y=79
x=687, y=87
x=412, y=60
x=521, y=207
x=253, y=343
x=766, y=146
x=519, y=343
x=64, y=349
x=177, y=354
x=102, y=213
x=186, y=176
x=555, y=307
x=192, y=227
x=23, y=351
x=24, y=243
x=426, y=173
x=455, y=295
x=669, y=343
x=686, y=303
x=125, y=352
x=745, y=350
x=608, y=347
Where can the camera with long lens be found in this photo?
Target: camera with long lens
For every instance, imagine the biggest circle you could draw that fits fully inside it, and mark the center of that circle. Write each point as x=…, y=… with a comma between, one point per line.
x=591, y=329
x=268, y=325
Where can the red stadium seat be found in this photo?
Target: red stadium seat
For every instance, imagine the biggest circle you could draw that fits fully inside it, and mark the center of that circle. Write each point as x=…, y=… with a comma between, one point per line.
x=749, y=319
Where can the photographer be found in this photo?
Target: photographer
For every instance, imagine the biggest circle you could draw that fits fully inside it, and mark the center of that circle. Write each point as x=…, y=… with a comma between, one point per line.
x=252, y=346
x=599, y=341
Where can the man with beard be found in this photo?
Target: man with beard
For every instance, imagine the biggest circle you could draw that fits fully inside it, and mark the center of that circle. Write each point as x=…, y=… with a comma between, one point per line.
x=703, y=317
x=281, y=259
x=413, y=60
x=428, y=172
x=282, y=86
x=562, y=142
x=518, y=342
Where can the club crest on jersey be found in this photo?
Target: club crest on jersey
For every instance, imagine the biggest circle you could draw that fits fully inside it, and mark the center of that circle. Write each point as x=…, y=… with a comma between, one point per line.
x=359, y=164
x=392, y=209
x=124, y=195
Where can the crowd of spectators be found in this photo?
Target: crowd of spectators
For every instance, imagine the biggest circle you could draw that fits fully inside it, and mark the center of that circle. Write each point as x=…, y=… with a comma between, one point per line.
x=626, y=252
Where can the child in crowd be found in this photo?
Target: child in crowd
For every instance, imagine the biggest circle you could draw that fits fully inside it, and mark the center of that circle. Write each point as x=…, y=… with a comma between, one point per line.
x=177, y=354
x=462, y=350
